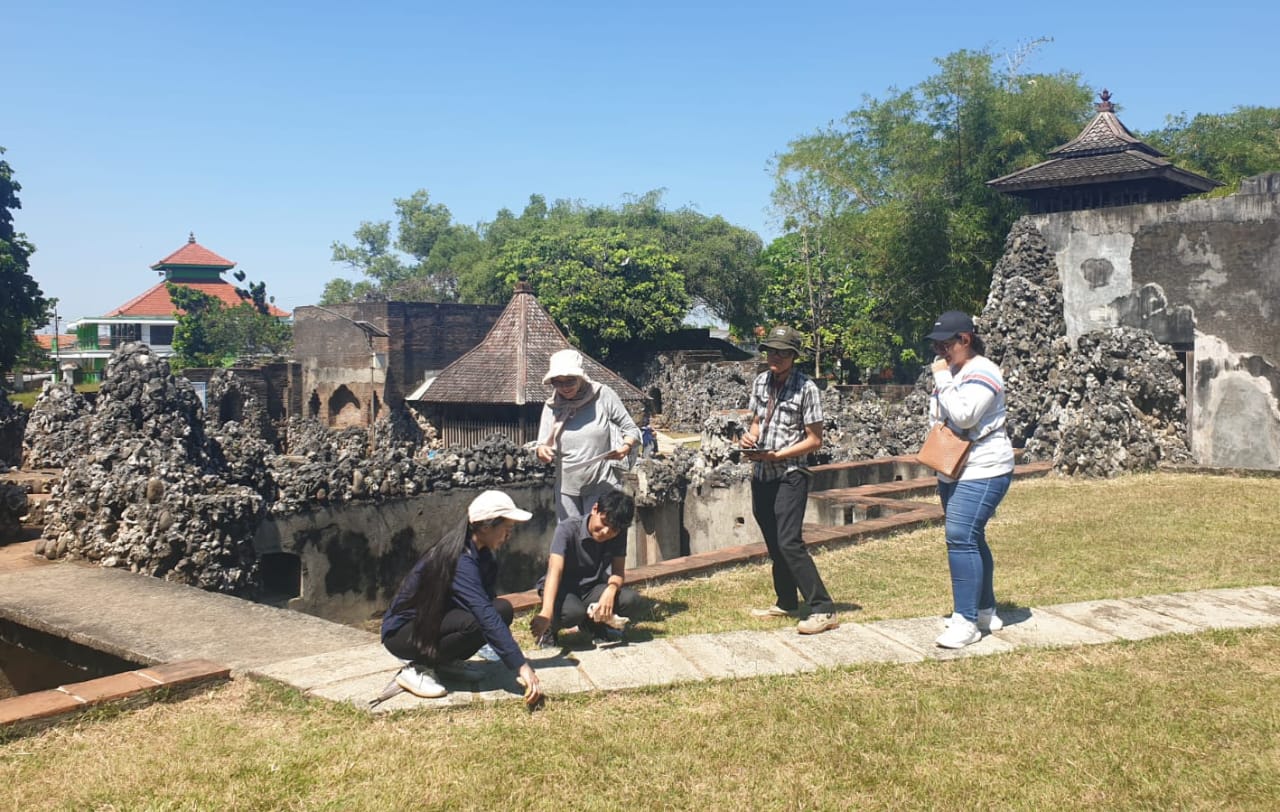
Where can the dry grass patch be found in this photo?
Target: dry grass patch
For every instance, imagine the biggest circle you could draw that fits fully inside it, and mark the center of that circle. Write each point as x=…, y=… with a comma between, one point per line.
x=1175, y=722
x=1054, y=540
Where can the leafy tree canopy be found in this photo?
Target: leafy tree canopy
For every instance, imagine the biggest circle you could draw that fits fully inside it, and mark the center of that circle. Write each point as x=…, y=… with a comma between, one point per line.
x=23, y=306
x=211, y=334
x=715, y=263
x=887, y=216
x=1225, y=147
x=602, y=284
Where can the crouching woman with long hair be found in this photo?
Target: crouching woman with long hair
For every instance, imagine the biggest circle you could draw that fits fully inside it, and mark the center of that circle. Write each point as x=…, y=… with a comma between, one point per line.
x=447, y=608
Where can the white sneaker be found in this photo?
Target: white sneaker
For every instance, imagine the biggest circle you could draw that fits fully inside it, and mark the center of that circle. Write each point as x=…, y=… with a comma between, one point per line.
x=989, y=621
x=420, y=681
x=959, y=633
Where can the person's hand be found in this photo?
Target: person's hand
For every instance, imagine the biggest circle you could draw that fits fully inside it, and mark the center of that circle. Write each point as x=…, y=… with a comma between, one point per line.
x=761, y=455
x=939, y=365
x=621, y=452
x=748, y=441
x=533, y=695
x=545, y=453
x=539, y=624
x=604, y=606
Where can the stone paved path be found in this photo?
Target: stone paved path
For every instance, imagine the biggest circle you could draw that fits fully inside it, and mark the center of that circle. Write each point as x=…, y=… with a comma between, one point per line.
x=150, y=621
x=358, y=674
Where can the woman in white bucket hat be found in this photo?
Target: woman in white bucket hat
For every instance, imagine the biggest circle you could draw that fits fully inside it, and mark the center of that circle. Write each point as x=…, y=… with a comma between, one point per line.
x=586, y=431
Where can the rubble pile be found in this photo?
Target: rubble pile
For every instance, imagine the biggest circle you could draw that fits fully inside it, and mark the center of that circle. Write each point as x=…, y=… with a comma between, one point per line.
x=1022, y=317
x=13, y=423
x=57, y=431
x=1112, y=404
x=148, y=495
x=690, y=393
x=320, y=472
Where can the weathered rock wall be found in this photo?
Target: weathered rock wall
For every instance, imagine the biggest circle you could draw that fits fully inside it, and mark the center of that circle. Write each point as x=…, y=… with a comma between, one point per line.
x=1203, y=277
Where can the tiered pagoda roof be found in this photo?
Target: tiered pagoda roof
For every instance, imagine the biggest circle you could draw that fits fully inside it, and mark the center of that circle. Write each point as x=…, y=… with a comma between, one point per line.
x=1105, y=165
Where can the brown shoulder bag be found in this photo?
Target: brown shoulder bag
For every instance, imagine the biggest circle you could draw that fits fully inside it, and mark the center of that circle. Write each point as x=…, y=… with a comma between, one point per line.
x=945, y=451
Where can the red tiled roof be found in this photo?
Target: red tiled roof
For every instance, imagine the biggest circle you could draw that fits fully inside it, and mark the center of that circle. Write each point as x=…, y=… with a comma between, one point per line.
x=193, y=253
x=155, y=302
x=65, y=340
x=507, y=366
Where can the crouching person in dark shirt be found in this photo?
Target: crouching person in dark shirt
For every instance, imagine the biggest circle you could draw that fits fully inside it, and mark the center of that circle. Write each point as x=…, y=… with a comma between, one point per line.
x=586, y=571
x=446, y=608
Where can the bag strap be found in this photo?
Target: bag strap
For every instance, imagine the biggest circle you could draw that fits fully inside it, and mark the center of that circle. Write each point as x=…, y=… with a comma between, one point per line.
x=980, y=438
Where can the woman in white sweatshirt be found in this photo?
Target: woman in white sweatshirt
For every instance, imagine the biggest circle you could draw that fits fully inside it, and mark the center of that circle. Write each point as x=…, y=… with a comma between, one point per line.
x=968, y=394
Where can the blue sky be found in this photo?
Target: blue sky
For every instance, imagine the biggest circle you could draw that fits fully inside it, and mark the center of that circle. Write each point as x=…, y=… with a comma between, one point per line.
x=271, y=130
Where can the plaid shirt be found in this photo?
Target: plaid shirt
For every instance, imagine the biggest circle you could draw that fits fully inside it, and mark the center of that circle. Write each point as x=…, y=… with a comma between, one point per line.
x=799, y=404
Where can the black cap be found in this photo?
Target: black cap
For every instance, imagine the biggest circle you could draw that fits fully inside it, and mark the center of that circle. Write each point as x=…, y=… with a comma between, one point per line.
x=950, y=324
x=783, y=337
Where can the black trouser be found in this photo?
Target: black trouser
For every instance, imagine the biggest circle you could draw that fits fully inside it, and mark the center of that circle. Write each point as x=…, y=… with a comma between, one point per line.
x=778, y=506
x=460, y=636
x=571, y=608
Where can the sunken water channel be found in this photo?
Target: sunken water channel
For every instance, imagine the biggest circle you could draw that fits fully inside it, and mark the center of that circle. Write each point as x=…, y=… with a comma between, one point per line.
x=32, y=660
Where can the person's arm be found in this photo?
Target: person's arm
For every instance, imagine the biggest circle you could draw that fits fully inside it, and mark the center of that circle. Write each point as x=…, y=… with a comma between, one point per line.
x=545, y=452
x=617, y=577
x=468, y=589
x=620, y=417
x=752, y=436
x=541, y=622
x=964, y=400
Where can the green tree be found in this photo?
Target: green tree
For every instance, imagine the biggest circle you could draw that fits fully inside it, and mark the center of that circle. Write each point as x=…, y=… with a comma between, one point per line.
x=210, y=334
x=419, y=265
x=1226, y=147
x=23, y=306
x=601, y=285
x=893, y=197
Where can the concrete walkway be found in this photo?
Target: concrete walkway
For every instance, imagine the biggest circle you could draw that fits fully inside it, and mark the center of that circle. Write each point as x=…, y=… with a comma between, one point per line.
x=150, y=621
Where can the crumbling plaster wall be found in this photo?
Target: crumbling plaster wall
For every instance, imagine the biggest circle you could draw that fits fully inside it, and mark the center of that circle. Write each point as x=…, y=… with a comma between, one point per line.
x=1204, y=277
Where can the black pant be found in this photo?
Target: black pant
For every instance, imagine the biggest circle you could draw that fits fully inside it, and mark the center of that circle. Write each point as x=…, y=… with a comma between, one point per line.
x=778, y=506
x=460, y=636
x=571, y=608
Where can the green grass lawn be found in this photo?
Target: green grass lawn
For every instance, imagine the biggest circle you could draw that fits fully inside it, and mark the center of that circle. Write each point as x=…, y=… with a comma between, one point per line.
x=1177, y=722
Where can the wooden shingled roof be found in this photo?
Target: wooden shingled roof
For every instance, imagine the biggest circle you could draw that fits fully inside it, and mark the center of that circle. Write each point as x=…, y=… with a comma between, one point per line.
x=507, y=366
x=1104, y=152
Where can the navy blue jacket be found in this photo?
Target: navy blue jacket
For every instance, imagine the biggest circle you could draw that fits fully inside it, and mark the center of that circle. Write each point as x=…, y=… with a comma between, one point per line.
x=472, y=590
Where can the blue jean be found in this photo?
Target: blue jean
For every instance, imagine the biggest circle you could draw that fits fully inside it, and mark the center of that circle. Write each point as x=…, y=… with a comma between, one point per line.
x=968, y=505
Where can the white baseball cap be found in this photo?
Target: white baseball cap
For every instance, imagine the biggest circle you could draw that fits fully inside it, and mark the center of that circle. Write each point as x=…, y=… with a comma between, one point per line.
x=495, y=505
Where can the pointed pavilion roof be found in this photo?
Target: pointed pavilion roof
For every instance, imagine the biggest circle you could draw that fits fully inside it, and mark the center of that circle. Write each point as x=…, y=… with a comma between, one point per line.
x=1104, y=152
x=193, y=255
x=507, y=366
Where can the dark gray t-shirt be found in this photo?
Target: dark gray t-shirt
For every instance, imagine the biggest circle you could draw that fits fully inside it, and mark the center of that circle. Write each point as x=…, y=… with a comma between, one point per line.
x=587, y=562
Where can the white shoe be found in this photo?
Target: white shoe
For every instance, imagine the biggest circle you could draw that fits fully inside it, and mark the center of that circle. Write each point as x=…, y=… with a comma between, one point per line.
x=959, y=633
x=989, y=621
x=420, y=681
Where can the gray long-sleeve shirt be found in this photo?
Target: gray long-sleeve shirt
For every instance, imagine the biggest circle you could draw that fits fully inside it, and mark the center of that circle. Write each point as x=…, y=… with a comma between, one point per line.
x=597, y=428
